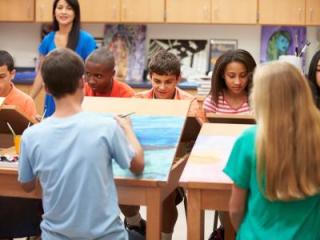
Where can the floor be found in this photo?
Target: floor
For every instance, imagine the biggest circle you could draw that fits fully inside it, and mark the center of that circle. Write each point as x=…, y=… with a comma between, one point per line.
x=180, y=232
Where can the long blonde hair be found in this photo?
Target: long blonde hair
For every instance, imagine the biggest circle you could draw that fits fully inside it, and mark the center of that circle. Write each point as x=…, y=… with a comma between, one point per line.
x=288, y=136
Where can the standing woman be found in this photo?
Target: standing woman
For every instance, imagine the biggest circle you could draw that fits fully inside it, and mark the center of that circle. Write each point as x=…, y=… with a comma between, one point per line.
x=66, y=34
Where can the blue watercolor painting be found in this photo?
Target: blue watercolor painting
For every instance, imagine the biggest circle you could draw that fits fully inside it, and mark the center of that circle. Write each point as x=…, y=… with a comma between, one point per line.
x=159, y=137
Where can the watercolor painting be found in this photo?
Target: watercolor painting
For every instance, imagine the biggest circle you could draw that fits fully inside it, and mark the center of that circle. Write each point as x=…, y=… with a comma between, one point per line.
x=281, y=40
x=208, y=158
x=127, y=42
x=159, y=137
x=192, y=54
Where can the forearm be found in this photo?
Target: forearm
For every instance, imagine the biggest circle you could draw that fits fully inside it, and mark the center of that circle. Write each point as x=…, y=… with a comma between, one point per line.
x=236, y=219
x=137, y=163
x=37, y=86
x=237, y=206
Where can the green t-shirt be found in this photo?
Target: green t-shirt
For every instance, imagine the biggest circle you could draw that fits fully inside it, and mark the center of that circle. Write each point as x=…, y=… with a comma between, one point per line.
x=264, y=219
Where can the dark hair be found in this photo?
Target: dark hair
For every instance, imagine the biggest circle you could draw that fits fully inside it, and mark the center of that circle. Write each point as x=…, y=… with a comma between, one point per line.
x=103, y=56
x=6, y=59
x=313, y=79
x=165, y=63
x=217, y=80
x=61, y=71
x=73, y=36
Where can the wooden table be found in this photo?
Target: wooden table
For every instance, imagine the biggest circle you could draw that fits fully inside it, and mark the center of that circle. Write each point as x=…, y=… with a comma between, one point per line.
x=207, y=186
x=230, y=118
x=131, y=191
x=148, y=192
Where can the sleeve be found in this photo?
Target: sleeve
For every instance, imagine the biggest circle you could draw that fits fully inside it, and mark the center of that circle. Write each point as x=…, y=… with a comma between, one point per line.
x=121, y=150
x=25, y=173
x=239, y=167
x=44, y=45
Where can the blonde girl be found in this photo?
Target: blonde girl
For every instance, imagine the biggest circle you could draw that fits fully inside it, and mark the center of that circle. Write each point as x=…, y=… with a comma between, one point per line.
x=275, y=166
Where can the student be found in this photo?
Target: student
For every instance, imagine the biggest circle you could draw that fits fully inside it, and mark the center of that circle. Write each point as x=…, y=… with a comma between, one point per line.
x=314, y=77
x=164, y=70
x=13, y=96
x=165, y=74
x=78, y=191
x=275, y=165
x=19, y=217
x=66, y=33
x=230, y=83
x=99, y=72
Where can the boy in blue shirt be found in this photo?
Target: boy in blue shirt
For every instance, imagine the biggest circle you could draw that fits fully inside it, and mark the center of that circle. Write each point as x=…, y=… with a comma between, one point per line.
x=74, y=164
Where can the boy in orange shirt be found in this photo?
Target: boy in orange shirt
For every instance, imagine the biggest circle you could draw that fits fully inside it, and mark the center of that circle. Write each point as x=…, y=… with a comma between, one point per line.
x=99, y=72
x=19, y=217
x=165, y=75
x=12, y=95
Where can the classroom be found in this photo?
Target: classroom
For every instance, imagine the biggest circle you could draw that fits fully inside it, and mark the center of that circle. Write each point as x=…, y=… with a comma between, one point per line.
x=187, y=100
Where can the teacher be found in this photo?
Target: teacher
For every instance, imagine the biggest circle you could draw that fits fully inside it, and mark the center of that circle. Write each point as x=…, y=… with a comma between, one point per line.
x=66, y=33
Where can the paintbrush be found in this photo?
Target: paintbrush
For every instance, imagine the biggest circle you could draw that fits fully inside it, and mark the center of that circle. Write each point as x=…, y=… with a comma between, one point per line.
x=126, y=115
x=304, y=48
x=11, y=129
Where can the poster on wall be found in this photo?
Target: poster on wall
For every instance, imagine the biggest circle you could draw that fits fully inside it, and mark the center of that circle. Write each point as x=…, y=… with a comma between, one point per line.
x=127, y=42
x=219, y=47
x=192, y=54
x=281, y=40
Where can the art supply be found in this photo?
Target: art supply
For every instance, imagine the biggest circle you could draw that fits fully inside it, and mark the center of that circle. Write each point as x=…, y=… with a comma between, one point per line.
x=294, y=60
x=11, y=129
x=296, y=50
x=126, y=115
x=16, y=139
x=44, y=113
x=304, y=48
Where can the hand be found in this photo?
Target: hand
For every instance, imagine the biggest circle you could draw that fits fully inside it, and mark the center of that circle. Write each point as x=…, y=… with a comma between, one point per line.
x=124, y=122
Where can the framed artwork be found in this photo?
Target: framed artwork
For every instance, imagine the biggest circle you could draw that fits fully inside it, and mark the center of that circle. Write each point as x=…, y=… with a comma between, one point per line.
x=281, y=40
x=219, y=47
x=192, y=54
x=127, y=42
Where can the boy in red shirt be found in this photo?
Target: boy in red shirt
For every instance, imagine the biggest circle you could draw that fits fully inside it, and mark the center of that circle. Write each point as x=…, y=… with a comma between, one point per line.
x=99, y=72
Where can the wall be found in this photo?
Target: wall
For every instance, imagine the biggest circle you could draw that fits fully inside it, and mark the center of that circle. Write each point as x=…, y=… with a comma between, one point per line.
x=22, y=39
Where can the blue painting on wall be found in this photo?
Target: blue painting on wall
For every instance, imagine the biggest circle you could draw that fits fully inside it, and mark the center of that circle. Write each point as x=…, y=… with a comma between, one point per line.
x=159, y=137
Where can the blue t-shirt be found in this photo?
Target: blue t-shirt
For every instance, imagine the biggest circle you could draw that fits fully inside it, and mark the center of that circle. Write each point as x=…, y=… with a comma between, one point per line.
x=86, y=44
x=266, y=219
x=72, y=158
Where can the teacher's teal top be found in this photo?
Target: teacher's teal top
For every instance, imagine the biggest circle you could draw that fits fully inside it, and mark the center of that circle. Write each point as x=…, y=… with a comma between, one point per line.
x=86, y=44
x=266, y=219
